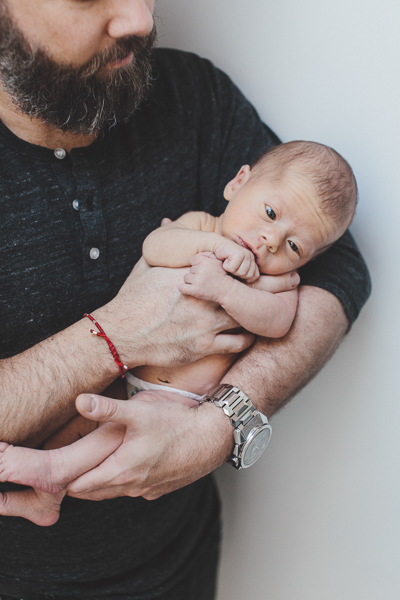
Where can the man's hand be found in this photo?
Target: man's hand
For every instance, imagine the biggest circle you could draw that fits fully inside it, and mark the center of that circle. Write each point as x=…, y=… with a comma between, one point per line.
x=150, y=322
x=152, y=444
x=164, y=445
x=237, y=260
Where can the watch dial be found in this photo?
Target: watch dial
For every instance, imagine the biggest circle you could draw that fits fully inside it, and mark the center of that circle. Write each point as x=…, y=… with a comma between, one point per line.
x=256, y=447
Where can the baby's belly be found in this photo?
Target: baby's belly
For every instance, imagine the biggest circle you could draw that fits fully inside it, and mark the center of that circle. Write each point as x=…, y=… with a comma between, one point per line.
x=199, y=377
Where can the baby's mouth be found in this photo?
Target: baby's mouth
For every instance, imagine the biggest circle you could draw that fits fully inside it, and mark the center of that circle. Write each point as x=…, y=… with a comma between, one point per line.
x=242, y=243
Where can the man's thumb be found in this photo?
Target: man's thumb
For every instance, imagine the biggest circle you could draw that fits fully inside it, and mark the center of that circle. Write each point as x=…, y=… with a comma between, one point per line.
x=99, y=408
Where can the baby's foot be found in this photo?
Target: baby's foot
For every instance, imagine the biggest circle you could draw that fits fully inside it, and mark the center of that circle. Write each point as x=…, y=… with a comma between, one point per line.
x=39, y=507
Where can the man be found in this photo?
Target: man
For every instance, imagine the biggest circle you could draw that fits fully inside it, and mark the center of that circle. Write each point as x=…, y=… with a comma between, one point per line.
x=77, y=200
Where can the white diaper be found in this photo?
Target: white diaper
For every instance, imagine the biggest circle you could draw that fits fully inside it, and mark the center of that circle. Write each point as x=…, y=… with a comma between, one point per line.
x=135, y=385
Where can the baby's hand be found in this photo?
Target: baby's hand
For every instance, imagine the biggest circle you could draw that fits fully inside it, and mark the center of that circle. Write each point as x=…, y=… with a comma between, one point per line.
x=237, y=260
x=207, y=279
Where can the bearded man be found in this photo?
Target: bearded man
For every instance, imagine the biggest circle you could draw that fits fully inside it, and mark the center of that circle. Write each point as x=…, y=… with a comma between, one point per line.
x=100, y=138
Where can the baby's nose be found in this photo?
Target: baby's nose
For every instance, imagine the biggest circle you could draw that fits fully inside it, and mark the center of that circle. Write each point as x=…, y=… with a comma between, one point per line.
x=272, y=239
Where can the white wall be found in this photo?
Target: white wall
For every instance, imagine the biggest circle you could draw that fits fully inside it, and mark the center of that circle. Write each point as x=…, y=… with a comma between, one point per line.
x=318, y=517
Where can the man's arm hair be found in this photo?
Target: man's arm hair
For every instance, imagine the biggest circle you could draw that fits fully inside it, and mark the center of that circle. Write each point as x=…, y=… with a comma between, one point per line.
x=39, y=386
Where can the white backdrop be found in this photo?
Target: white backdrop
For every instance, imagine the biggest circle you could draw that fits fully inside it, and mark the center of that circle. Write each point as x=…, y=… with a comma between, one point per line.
x=318, y=517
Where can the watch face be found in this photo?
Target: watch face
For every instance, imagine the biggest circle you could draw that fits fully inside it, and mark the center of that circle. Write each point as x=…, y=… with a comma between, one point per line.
x=253, y=449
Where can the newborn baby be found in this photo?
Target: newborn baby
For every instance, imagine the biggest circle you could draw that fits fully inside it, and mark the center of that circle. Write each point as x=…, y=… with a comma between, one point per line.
x=283, y=211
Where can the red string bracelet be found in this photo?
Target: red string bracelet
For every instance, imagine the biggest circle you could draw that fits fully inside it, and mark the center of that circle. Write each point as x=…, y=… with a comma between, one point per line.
x=101, y=333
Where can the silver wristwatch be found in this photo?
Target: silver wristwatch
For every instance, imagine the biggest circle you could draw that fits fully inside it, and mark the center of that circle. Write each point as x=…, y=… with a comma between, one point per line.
x=251, y=429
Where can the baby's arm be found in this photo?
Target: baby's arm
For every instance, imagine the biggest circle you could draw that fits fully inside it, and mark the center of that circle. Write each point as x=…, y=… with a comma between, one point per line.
x=254, y=308
x=260, y=311
x=174, y=244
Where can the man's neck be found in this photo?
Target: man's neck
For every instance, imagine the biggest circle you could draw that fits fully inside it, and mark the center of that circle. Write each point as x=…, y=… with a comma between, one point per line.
x=37, y=132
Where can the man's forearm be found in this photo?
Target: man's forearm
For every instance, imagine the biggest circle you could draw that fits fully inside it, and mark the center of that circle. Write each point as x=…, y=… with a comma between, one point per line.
x=273, y=371
x=39, y=387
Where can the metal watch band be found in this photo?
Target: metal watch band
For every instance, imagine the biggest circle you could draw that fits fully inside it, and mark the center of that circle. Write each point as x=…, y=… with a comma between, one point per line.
x=241, y=411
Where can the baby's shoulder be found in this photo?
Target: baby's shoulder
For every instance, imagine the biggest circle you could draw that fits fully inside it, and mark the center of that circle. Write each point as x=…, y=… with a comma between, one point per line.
x=199, y=220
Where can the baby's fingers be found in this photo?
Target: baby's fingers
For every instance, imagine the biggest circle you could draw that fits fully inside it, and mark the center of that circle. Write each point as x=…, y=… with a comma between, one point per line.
x=245, y=269
x=252, y=274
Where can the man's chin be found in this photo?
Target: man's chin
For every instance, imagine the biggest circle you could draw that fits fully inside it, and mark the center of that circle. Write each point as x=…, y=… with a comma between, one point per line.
x=77, y=100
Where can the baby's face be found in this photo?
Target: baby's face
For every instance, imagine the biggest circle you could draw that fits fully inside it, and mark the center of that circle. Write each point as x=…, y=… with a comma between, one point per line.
x=280, y=222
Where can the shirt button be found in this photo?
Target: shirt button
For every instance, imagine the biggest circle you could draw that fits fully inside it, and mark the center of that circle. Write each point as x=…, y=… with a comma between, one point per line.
x=94, y=253
x=75, y=204
x=60, y=153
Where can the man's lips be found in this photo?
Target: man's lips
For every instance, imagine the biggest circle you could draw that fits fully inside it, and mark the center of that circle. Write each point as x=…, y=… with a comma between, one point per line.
x=121, y=63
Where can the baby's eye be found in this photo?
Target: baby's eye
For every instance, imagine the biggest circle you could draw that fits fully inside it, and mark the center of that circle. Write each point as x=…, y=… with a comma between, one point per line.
x=270, y=212
x=293, y=246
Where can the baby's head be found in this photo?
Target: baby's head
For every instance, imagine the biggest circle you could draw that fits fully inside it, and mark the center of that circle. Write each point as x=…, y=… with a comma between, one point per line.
x=290, y=205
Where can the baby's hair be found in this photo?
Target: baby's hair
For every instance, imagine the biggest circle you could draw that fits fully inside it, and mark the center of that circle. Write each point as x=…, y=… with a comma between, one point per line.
x=331, y=174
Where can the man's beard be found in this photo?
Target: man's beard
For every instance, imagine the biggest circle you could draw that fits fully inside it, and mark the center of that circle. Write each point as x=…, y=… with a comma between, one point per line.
x=74, y=99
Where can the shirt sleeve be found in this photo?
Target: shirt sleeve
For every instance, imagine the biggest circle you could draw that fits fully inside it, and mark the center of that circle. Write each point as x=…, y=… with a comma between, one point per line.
x=341, y=270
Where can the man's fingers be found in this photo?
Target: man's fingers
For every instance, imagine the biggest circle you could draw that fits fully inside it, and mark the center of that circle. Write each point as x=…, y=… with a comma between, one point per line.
x=102, y=476
x=51, y=470
x=133, y=460
x=166, y=396
x=100, y=408
x=189, y=277
x=207, y=254
x=200, y=257
x=98, y=495
x=186, y=289
x=226, y=343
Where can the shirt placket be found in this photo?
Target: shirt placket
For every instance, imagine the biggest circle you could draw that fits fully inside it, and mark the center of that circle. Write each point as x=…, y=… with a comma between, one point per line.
x=88, y=204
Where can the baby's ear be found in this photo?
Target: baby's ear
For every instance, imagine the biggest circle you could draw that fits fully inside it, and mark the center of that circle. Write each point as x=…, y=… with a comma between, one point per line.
x=239, y=180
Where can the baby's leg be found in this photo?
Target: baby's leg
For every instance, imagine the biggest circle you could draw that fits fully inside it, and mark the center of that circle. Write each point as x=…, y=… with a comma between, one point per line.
x=48, y=473
x=40, y=507
x=78, y=426
x=43, y=508
x=72, y=431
